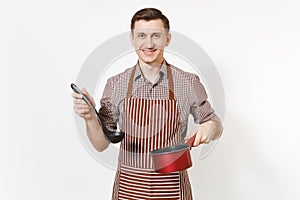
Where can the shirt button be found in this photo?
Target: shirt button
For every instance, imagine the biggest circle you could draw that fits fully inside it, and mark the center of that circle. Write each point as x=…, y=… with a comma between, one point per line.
x=150, y=86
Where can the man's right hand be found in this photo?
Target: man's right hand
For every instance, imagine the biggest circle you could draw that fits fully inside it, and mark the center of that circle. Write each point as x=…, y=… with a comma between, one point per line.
x=81, y=107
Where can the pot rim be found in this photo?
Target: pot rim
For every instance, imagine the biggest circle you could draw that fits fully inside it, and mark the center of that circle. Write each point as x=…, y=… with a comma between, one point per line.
x=170, y=149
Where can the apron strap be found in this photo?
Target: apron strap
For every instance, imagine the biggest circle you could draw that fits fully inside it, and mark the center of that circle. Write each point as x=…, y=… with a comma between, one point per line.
x=130, y=84
x=170, y=82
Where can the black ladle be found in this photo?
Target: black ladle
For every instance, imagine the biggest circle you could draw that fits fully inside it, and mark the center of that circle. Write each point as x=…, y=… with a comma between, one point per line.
x=113, y=137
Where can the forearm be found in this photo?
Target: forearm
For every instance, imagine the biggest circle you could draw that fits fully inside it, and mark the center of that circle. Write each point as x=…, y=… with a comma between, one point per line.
x=96, y=135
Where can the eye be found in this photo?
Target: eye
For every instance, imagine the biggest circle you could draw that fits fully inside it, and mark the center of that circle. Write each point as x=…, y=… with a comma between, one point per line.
x=141, y=35
x=156, y=35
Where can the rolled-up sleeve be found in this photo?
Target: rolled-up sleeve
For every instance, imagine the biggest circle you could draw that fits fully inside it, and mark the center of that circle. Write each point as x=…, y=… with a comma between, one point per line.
x=200, y=107
x=107, y=112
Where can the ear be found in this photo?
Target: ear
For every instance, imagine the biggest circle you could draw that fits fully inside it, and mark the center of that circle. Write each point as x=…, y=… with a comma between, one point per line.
x=169, y=36
x=131, y=38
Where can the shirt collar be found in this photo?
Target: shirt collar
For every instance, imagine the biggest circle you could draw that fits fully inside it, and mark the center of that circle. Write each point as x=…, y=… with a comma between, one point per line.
x=138, y=72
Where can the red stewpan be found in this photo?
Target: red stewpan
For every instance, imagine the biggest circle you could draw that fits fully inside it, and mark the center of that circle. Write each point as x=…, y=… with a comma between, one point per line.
x=173, y=158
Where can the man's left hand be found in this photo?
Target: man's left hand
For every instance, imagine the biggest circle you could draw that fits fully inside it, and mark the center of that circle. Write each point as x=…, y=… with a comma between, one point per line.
x=207, y=132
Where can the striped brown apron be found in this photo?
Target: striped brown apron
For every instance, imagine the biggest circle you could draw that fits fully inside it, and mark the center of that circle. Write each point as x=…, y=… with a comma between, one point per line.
x=149, y=124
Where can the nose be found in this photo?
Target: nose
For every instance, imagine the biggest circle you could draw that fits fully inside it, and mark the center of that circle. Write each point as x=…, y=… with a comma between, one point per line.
x=149, y=43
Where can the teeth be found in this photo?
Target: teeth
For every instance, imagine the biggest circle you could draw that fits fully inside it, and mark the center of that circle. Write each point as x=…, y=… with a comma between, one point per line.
x=149, y=50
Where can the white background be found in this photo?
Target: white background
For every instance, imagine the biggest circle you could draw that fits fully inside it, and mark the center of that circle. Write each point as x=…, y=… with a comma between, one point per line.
x=254, y=44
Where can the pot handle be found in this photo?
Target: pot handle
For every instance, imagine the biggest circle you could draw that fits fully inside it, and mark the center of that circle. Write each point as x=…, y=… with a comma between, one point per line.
x=191, y=140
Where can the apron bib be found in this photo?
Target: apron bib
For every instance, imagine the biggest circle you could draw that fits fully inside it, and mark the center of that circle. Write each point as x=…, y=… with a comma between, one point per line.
x=149, y=124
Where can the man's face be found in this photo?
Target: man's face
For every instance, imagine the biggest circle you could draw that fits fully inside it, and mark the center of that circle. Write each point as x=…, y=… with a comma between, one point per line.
x=149, y=39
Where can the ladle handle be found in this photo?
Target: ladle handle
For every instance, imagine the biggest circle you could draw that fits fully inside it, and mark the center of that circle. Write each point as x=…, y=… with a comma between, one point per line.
x=86, y=99
x=77, y=90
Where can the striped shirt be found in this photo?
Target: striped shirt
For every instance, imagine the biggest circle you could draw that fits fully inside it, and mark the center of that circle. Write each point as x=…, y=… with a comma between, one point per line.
x=189, y=93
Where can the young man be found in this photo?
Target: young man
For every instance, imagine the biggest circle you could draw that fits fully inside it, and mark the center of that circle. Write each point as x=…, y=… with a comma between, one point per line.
x=152, y=102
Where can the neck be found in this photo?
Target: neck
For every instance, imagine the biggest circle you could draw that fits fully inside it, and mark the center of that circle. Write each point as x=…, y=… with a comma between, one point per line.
x=150, y=71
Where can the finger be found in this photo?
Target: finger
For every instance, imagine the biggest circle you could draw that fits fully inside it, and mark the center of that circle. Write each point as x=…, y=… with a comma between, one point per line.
x=76, y=95
x=79, y=101
x=80, y=106
x=197, y=138
x=83, y=115
x=203, y=139
x=85, y=92
x=82, y=111
x=206, y=141
x=86, y=116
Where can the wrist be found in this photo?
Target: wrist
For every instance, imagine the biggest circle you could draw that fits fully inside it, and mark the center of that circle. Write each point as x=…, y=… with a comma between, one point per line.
x=91, y=120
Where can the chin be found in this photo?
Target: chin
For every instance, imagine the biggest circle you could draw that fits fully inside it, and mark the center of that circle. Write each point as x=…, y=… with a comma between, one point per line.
x=150, y=60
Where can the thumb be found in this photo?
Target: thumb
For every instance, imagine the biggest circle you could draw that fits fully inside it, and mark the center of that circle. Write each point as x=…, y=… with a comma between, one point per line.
x=198, y=136
x=85, y=92
x=191, y=134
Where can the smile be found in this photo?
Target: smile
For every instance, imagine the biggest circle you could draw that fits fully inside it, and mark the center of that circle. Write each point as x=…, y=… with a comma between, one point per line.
x=149, y=52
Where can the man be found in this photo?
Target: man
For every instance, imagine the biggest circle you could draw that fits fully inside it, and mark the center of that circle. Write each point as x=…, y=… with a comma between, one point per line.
x=151, y=102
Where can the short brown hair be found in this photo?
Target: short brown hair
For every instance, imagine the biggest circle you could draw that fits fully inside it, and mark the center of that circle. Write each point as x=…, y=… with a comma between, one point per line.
x=150, y=14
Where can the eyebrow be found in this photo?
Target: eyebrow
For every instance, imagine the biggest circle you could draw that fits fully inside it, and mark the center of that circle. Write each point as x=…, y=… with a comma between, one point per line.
x=146, y=33
x=139, y=32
